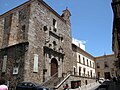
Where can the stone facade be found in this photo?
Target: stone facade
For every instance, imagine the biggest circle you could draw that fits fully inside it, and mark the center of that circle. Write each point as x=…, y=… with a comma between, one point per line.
x=116, y=33
x=33, y=39
x=36, y=46
x=105, y=66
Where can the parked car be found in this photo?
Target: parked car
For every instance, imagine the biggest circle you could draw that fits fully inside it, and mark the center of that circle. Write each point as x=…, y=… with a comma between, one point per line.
x=29, y=86
x=101, y=80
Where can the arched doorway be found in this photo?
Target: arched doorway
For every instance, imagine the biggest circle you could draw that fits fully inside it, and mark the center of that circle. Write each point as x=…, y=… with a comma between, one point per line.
x=54, y=67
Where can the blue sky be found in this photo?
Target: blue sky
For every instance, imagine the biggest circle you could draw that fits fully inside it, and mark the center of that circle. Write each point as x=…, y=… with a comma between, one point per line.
x=91, y=21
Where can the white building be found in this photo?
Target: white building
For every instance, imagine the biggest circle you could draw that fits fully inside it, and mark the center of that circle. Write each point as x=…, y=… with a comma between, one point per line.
x=83, y=65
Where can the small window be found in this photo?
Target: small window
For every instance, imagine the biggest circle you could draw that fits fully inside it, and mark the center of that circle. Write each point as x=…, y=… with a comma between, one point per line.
x=45, y=28
x=85, y=82
x=98, y=66
x=105, y=64
x=54, y=24
x=80, y=71
x=61, y=39
x=74, y=70
x=84, y=71
x=87, y=62
x=90, y=64
x=23, y=27
x=79, y=59
x=91, y=73
x=88, y=73
x=83, y=60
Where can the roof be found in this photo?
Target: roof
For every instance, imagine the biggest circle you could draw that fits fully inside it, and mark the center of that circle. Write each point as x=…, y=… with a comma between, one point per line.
x=110, y=55
x=79, y=49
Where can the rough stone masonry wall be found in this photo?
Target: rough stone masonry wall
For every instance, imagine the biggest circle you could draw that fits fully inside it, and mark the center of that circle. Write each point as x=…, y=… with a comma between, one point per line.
x=14, y=26
x=13, y=31
x=15, y=58
x=40, y=16
x=26, y=24
x=36, y=42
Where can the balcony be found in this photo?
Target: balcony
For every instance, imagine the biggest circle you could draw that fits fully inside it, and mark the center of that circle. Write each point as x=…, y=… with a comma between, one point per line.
x=53, y=51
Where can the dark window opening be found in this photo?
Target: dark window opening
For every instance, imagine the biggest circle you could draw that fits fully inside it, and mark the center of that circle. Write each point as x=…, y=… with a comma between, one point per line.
x=54, y=25
x=105, y=64
x=75, y=84
x=98, y=66
x=54, y=22
x=79, y=59
x=85, y=82
x=87, y=62
x=84, y=71
x=74, y=70
x=83, y=60
x=23, y=27
x=45, y=28
x=80, y=71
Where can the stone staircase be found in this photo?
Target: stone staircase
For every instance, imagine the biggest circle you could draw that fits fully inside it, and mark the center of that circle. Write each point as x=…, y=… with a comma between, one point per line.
x=54, y=82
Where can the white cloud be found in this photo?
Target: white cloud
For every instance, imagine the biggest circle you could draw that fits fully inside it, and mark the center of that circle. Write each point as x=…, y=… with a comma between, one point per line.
x=79, y=41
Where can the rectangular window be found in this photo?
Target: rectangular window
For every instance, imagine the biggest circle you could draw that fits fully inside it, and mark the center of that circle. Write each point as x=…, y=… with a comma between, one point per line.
x=98, y=66
x=79, y=71
x=88, y=73
x=91, y=73
x=105, y=64
x=79, y=59
x=90, y=64
x=84, y=71
x=35, y=68
x=74, y=71
x=87, y=62
x=85, y=82
x=83, y=60
x=54, y=23
x=15, y=70
x=4, y=63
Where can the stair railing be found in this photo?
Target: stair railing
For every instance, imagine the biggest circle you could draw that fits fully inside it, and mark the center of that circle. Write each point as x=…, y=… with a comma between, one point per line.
x=62, y=81
x=52, y=77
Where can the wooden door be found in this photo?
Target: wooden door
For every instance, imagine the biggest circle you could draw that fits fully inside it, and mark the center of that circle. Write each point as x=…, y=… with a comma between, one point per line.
x=54, y=67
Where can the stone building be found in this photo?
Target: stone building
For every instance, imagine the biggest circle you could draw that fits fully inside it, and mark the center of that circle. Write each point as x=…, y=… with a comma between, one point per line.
x=36, y=46
x=105, y=67
x=116, y=33
x=35, y=43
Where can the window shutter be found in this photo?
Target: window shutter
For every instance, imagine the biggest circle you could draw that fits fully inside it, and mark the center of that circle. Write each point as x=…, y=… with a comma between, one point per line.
x=4, y=63
x=35, y=68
